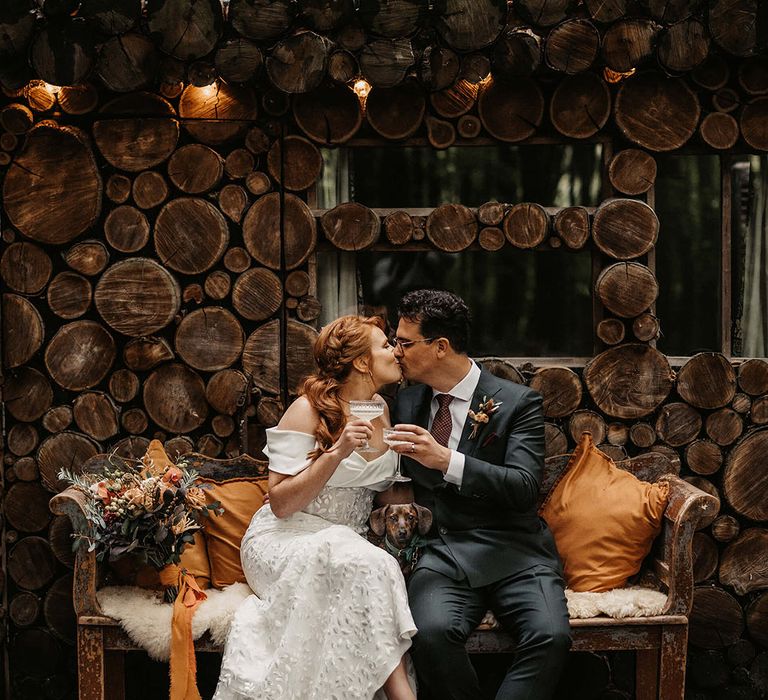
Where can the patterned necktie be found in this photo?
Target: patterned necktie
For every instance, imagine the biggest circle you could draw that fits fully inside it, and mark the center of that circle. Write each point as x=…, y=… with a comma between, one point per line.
x=442, y=424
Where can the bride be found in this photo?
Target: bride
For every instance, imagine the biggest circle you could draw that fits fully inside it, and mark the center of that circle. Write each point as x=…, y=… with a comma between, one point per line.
x=330, y=618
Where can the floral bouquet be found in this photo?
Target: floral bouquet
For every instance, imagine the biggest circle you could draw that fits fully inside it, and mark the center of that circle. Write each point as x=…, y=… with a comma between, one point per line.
x=151, y=509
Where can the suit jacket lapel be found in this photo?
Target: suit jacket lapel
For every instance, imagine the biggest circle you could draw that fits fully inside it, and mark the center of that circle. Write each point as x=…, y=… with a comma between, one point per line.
x=486, y=386
x=421, y=412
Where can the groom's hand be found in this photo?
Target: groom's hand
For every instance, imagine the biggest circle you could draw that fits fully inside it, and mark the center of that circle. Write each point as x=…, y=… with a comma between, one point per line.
x=421, y=446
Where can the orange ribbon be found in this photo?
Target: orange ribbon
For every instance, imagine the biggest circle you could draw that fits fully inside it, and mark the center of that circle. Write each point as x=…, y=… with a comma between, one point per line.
x=183, y=664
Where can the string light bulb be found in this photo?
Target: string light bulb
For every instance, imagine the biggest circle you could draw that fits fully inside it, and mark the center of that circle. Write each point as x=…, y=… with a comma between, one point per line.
x=361, y=88
x=210, y=89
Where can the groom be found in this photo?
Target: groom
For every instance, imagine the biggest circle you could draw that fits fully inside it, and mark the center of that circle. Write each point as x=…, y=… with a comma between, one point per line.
x=479, y=476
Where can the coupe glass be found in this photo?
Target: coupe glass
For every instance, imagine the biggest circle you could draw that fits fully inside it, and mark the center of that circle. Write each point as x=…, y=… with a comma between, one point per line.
x=389, y=439
x=366, y=410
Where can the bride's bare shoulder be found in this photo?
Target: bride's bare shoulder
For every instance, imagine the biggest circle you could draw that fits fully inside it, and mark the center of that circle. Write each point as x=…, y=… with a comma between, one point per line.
x=300, y=416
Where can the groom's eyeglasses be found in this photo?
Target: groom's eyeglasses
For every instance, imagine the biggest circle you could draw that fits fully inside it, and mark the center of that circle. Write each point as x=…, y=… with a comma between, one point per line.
x=405, y=344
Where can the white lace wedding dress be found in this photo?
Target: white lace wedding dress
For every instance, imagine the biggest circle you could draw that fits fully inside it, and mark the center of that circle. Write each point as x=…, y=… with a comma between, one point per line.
x=330, y=618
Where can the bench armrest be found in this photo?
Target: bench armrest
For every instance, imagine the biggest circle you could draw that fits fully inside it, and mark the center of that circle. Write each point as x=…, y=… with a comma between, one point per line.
x=673, y=560
x=71, y=503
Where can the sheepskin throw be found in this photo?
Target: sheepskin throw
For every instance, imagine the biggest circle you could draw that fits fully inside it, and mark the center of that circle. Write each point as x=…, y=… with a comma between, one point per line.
x=632, y=601
x=147, y=619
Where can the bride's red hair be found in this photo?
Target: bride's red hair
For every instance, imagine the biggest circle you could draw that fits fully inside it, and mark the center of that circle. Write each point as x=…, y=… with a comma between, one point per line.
x=339, y=344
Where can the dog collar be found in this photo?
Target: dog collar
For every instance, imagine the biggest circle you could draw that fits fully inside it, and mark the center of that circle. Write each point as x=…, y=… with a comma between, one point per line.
x=407, y=552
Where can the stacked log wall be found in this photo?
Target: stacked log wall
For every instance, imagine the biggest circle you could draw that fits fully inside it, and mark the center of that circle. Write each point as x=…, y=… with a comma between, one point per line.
x=149, y=296
x=146, y=302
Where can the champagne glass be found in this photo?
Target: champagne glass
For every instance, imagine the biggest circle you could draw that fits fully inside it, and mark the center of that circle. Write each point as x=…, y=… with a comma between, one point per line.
x=367, y=410
x=391, y=440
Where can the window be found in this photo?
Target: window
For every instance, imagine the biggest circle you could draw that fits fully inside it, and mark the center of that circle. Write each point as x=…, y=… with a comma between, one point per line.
x=539, y=304
x=523, y=304
x=749, y=260
x=687, y=256
x=550, y=175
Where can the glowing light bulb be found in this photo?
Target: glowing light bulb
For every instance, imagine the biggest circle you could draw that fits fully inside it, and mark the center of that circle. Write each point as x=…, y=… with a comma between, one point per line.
x=361, y=88
x=204, y=93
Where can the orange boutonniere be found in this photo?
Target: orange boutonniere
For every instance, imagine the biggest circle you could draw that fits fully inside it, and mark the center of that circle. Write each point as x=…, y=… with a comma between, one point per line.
x=486, y=408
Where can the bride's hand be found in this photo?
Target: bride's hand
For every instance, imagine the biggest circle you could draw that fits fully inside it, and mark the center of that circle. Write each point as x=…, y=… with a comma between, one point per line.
x=355, y=434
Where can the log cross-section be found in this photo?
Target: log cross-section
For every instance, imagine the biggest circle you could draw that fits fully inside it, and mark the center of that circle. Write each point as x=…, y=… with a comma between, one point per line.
x=137, y=297
x=351, y=226
x=656, y=112
x=628, y=381
x=451, y=227
x=627, y=289
x=265, y=231
x=707, y=380
x=625, y=228
x=210, y=338
x=191, y=235
x=746, y=476
x=261, y=355
x=174, y=397
x=80, y=355
x=56, y=166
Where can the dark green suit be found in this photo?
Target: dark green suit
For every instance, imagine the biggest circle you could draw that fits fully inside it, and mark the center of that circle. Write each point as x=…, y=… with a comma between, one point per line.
x=488, y=548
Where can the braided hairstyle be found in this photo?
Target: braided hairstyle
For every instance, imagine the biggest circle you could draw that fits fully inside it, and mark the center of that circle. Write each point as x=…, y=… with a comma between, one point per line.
x=338, y=345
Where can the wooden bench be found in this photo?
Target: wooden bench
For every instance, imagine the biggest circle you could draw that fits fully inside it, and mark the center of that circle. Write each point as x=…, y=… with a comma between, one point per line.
x=659, y=642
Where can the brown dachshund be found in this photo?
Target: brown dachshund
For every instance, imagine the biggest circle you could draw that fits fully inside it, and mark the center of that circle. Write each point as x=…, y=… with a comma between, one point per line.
x=402, y=527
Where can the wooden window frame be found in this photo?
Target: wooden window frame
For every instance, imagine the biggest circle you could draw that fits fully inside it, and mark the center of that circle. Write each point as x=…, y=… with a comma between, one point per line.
x=725, y=340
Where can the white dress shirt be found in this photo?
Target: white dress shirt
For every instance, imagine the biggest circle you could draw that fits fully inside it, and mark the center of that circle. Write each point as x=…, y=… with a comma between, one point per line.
x=462, y=400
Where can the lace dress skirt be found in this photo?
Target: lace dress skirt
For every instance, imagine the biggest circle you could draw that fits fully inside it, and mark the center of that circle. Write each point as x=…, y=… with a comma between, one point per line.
x=330, y=618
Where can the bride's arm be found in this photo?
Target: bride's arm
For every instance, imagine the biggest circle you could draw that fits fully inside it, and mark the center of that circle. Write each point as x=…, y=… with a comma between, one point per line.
x=289, y=494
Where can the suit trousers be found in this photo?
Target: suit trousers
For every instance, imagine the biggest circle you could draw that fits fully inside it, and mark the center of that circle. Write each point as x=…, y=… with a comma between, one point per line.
x=530, y=604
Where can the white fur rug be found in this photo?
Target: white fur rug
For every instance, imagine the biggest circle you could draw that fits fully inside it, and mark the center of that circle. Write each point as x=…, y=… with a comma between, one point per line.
x=147, y=619
x=632, y=601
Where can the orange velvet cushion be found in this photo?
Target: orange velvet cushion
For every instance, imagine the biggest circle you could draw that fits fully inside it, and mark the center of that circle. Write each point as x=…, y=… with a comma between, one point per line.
x=603, y=518
x=157, y=456
x=240, y=498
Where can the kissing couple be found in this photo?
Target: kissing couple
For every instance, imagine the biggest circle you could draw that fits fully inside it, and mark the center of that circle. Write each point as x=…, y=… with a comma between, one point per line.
x=331, y=616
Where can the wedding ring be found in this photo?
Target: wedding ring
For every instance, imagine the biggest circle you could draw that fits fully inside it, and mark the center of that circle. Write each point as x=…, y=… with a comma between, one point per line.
x=413, y=447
